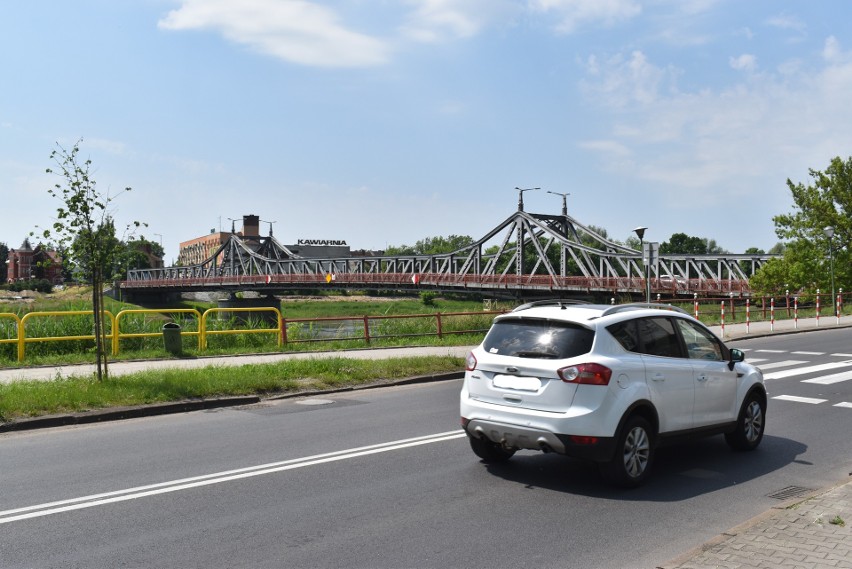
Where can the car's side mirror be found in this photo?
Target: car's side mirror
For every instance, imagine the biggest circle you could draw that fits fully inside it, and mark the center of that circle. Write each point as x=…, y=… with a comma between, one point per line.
x=736, y=356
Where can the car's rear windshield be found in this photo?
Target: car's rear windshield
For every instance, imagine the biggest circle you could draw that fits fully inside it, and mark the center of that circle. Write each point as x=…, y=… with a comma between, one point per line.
x=534, y=338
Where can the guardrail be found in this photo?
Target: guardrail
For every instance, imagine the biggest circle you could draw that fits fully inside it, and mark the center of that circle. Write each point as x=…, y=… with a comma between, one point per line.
x=286, y=331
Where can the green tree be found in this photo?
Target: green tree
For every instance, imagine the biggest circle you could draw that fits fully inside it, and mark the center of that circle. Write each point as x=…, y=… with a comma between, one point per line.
x=825, y=202
x=432, y=246
x=85, y=232
x=683, y=244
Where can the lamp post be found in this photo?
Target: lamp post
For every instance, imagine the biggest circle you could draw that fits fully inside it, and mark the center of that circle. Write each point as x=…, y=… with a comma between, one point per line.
x=829, y=232
x=640, y=233
x=521, y=196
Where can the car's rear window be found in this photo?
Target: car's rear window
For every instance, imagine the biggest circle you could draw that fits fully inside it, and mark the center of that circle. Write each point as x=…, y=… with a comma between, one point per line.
x=533, y=338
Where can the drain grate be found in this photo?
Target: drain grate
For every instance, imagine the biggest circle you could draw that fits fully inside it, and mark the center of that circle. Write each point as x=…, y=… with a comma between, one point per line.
x=790, y=492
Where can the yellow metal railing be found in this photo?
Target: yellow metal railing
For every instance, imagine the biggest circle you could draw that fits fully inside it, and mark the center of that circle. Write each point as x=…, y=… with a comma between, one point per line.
x=118, y=335
x=114, y=335
x=202, y=343
x=19, y=334
x=23, y=340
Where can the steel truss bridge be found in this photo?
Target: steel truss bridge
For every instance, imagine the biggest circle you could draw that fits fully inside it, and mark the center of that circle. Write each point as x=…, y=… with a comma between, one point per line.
x=557, y=255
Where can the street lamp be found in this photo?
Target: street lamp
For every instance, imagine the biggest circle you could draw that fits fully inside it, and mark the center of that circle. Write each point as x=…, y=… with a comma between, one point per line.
x=640, y=233
x=564, y=201
x=829, y=232
x=521, y=196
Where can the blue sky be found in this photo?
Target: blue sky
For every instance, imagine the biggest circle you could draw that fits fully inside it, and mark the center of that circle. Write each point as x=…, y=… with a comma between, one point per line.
x=383, y=122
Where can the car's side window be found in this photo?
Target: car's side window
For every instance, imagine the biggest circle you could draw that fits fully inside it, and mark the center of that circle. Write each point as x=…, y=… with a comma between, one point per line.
x=700, y=344
x=626, y=334
x=659, y=337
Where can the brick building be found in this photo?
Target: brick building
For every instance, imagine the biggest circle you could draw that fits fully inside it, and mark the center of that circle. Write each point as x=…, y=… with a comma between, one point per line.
x=25, y=263
x=196, y=251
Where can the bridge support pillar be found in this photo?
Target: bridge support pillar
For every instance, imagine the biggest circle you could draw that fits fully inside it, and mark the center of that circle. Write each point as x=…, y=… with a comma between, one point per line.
x=259, y=302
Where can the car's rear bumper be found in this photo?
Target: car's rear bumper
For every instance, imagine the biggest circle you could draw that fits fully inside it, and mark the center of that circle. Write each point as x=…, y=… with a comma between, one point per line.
x=525, y=437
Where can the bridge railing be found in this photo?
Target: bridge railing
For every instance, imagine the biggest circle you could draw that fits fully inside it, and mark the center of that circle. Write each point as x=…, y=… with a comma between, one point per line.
x=616, y=285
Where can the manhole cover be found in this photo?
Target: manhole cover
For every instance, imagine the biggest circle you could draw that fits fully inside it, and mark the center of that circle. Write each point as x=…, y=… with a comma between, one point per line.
x=790, y=492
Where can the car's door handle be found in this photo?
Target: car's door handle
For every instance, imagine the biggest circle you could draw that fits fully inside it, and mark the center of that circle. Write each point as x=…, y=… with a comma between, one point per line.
x=702, y=378
x=658, y=377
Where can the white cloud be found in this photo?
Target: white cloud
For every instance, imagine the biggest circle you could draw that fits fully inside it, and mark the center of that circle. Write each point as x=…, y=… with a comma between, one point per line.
x=787, y=22
x=745, y=62
x=714, y=145
x=797, y=29
x=574, y=13
x=620, y=80
x=297, y=31
x=437, y=20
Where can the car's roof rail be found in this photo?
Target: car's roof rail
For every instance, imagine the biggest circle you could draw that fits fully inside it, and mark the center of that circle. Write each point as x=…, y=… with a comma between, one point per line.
x=561, y=303
x=640, y=306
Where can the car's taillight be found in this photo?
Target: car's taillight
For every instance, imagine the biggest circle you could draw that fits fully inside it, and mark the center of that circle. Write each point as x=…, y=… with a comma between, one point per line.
x=586, y=374
x=470, y=362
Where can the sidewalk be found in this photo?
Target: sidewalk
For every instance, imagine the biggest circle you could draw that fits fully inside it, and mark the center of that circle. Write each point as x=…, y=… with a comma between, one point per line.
x=808, y=533
x=811, y=532
x=47, y=373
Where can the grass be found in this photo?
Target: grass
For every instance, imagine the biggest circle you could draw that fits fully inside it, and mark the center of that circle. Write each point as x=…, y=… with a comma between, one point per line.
x=75, y=394
x=385, y=330
x=78, y=393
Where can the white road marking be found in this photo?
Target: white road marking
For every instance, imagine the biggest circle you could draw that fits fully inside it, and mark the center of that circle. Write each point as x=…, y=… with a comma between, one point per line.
x=829, y=379
x=808, y=353
x=844, y=404
x=800, y=399
x=808, y=369
x=50, y=508
x=841, y=355
x=772, y=351
x=785, y=363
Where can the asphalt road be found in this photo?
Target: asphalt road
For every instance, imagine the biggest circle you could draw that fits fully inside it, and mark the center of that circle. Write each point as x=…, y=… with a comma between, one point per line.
x=384, y=478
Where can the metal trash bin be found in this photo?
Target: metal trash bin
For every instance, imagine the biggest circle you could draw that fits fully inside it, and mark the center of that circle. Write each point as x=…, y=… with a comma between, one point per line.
x=171, y=338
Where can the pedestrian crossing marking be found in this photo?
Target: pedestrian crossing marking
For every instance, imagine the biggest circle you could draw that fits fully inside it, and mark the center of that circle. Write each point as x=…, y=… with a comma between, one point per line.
x=842, y=355
x=798, y=399
x=808, y=353
x=844, y=404
x=804, y=370
x=785, y=363
x=830, y=379
x=772, y=351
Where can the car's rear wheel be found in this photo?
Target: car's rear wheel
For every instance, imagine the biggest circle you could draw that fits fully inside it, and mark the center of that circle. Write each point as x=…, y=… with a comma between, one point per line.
x=750, y=424
x=634, y=454
x=489, y=451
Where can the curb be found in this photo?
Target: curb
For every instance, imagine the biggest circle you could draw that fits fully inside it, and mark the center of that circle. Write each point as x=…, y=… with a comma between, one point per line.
x=133, y=412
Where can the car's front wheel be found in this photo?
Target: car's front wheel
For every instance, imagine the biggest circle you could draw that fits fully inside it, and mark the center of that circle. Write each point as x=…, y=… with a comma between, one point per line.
x=634, y=454
x=750, y=424
x=489, y=451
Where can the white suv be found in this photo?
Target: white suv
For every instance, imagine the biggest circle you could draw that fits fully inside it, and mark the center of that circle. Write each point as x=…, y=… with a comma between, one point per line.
x=606, y=383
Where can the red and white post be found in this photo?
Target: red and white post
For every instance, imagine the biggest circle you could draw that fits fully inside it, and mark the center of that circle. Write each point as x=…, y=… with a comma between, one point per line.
x=772, y=314
x=748, y=314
